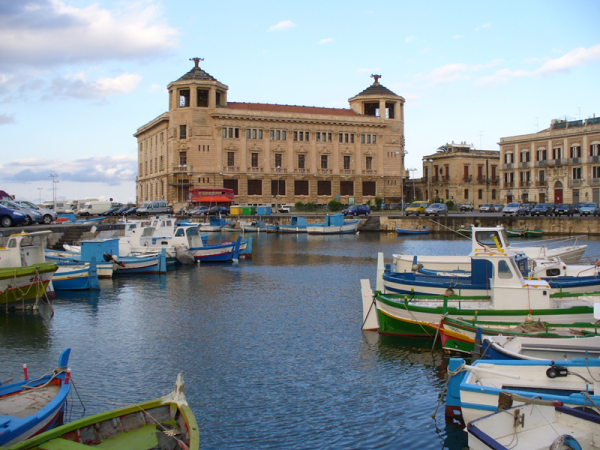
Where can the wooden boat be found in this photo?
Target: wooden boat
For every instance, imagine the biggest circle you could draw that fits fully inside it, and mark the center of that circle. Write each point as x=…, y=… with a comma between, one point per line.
x=460, y=334
x=76, y=277
x=165, y=423
x=334, y=224
x=30, y=407
x=464, y=230
x=484, y=238
x=24, y=272
x=298, y=224
x=534, y=233
x=509, y=299
x=536, y=427
x=474, y=389
x=259, y=226
x=424, y=230
x=215, y=224
x=538, y=348
x=515, y=233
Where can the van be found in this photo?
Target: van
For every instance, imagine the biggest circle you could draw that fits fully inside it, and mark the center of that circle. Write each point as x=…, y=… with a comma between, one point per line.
x=154, y=207
x=94, y=207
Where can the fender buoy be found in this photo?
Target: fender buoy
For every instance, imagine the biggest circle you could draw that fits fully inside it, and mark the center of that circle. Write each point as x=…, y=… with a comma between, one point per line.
x=565, y=442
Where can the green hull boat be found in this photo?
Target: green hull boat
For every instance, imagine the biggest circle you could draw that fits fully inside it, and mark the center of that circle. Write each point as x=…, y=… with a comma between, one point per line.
x=25, y=284
x=164, y=423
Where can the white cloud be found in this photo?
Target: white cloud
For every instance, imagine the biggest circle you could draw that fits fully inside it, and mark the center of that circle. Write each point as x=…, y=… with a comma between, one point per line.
x=76, y=86
x=45, y=33
x=326, y=41
x=409, y=39
x=283, y=25
x=424, y=51
x=483, y=27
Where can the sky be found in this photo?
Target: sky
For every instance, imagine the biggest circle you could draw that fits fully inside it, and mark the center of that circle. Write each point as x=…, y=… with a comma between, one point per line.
x=77, y=78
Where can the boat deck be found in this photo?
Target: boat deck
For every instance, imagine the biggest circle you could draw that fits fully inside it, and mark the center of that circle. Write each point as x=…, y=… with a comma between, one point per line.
x=27, y=403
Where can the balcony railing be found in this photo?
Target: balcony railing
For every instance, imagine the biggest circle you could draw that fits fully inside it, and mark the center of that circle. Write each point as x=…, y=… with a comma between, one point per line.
x=524, y=184
x=180, y=168
x=507, y=166
x=494, y=180
x=347, y=171
x=575, y=182
x=595, y=181
x=509, y=184
x=574, y=161
x=369, y=172
x=303, y=170
x=542, y=163
x=281, y=170
x=256, y=169
x=524, y=164
x=595, y=158
x=325, y=171
x=468, y=178
x=232, y=169
x=541, y=183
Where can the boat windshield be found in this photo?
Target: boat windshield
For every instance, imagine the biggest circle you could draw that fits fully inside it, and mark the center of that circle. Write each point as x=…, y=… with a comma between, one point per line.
x=192, y=231
x=486, y=238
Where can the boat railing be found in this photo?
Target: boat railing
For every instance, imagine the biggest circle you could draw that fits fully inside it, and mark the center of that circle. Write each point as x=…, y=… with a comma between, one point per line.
x=551, y=243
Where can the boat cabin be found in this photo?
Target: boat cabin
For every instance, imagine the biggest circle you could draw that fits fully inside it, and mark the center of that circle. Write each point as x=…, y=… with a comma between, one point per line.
x=24, y=249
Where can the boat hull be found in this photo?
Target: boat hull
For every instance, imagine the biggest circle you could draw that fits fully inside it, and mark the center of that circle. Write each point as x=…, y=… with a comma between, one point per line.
x=75, y=278
x=20, y=284
x=347, y=228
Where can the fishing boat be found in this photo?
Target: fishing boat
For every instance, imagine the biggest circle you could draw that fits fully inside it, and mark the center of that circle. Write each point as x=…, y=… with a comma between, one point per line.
x=473, y=390
x=259, y=226
x=459, y=335
x=534, y=233
x=535, y=426
x=164, y=423
x=24, y=271
x=515, y=233
x=215, y=224
x=464, y=230
x=32, y=406
x=334, y=224
x=538, y=348
x=298, y=224
x=486, y=238
x=510, y=298
x=424, y=230
x=76, y=277
x=189, y=237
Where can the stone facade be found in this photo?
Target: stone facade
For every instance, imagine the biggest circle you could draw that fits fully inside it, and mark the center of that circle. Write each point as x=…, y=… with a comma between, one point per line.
x=560, y=164
x=270, y=153
x=460, y=173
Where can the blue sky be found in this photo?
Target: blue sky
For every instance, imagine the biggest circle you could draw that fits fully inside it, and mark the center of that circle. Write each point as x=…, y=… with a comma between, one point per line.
x=77, y=78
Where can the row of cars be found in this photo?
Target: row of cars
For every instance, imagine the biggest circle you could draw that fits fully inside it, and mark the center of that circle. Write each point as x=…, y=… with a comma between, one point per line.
x=23, y=212
x=551, y=209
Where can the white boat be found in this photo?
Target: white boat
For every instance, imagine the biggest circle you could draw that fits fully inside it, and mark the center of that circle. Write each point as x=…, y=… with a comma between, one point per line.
x=536, y=427
x=482, y=239
x=475, y=388
x=539, y=348
x=334, y=224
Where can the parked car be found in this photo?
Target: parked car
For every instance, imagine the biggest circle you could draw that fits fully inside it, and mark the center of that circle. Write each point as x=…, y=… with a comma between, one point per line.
x=542, y=209
x=467, y=206
x=528, y=208
x=48, y=215
x=130, y=211
x=498, y=207
x=577, y=206
x=216, y=210
x=514, y=209
x=589, y=209
x=285, y=208
x=152, y=207
x=488, y=207
x=32, y=216
x=357, y=210
x=109, y=212
x=564, y=209
x=416, y=208
x=10, y=217
x=199, y=211
x=120, y=211
x=436, y=209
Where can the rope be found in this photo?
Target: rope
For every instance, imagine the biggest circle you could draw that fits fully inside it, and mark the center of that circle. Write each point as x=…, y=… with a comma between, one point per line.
x=370, y=308
x=448, y=228
x=56, y=372
x=451, y=373
x=438, y=329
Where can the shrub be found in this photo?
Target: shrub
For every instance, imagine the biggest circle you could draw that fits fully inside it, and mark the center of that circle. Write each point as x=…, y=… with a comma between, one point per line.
x=450, y=205
x=334, y=206
x=378, y=202
x=299, y=206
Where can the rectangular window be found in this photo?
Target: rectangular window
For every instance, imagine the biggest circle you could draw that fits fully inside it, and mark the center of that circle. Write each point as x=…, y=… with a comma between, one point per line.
x=260, y=134
x=480, y=194
x=323, y=161
x=278, y=160
x=224, y=132
x=466, y=194
x=301, y=187
x=493, y=194
x=202, y=98
x=254, y=187
x=557, y=153
x=301, y=161
x=278, y=135
x=369, y=188
x=542, y=175
x=183, y=158
x=329, y=137
x=363, y=138
x=352, y=138
x=295, y=135
x=577, y=173
x=184, y=98
x=248, y=133
x=230, y=159
x=254, y=134
x=595, y=150
x=596, y=171
x=254, y=159
x=369, y=163
x=390, y=112
x=182, y=131
x=346, y=187
x=323, y=187
x=575, y=151
x=318, y=136
x=231, y=184
x=277, y=187
x=346, y=162
x=341, y=139
x=272, y=135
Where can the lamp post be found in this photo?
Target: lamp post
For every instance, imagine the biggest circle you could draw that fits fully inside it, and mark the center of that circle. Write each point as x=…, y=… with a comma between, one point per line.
x=53, y=176
x=40, y=189
x=412, y=170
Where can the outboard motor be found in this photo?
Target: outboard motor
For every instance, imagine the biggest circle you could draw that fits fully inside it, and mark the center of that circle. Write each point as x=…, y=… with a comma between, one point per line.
x=107, y=257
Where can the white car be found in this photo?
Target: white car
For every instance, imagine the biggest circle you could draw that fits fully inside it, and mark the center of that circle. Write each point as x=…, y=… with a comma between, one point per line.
x=285, y=208
x=436, y=209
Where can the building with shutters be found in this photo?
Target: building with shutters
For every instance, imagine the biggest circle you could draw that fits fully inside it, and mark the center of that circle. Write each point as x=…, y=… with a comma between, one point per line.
x=271, y=153
x=560, y=164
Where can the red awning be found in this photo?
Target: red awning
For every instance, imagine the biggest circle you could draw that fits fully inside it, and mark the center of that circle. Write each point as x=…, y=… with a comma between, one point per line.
x=211, y=199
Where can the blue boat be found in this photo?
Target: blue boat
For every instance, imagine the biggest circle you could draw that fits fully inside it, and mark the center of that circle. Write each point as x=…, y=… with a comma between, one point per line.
x=423, y=230
x=334, y=224
x=71, y=276
x=298, y=225
x=30, y=407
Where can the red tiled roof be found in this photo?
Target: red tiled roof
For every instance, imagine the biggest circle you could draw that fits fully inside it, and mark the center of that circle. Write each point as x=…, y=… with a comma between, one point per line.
x=292, y=109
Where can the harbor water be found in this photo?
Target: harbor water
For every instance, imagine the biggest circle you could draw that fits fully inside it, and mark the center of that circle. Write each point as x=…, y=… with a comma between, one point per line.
x=271, y=349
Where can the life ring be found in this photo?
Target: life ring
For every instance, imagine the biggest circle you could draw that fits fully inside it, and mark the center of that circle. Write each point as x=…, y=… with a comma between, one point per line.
x=565, y=442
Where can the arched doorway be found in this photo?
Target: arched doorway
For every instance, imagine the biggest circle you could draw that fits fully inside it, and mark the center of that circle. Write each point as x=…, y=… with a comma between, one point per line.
x=558, y=192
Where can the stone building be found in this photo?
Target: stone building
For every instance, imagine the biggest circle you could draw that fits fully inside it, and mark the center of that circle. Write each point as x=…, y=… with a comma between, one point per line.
x=271, y=153
x=560, y=164
x=460, y=173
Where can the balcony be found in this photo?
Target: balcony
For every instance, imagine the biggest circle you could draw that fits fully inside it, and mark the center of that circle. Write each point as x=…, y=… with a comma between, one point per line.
x=494, y=180
x=595, y=158
x=369, y=172
x=523, y=164
x=232, y=169
x=541, y=183
x=280, y=171
x=347, y=172
x=575, y=183
x=303, y=170
x=509, y=184
x=524, y=184
x=256, y=169
x=595, y=181
x=542, y=163
x=468, y=178
x=181, y=168
x=507, y=166
x=325, y=171
x=574, y=161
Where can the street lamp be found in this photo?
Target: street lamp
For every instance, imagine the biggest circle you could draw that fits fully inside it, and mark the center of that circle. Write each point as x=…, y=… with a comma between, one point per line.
x=412, y=170
x=428, y=161
x=53, y=176
x=40, y=189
